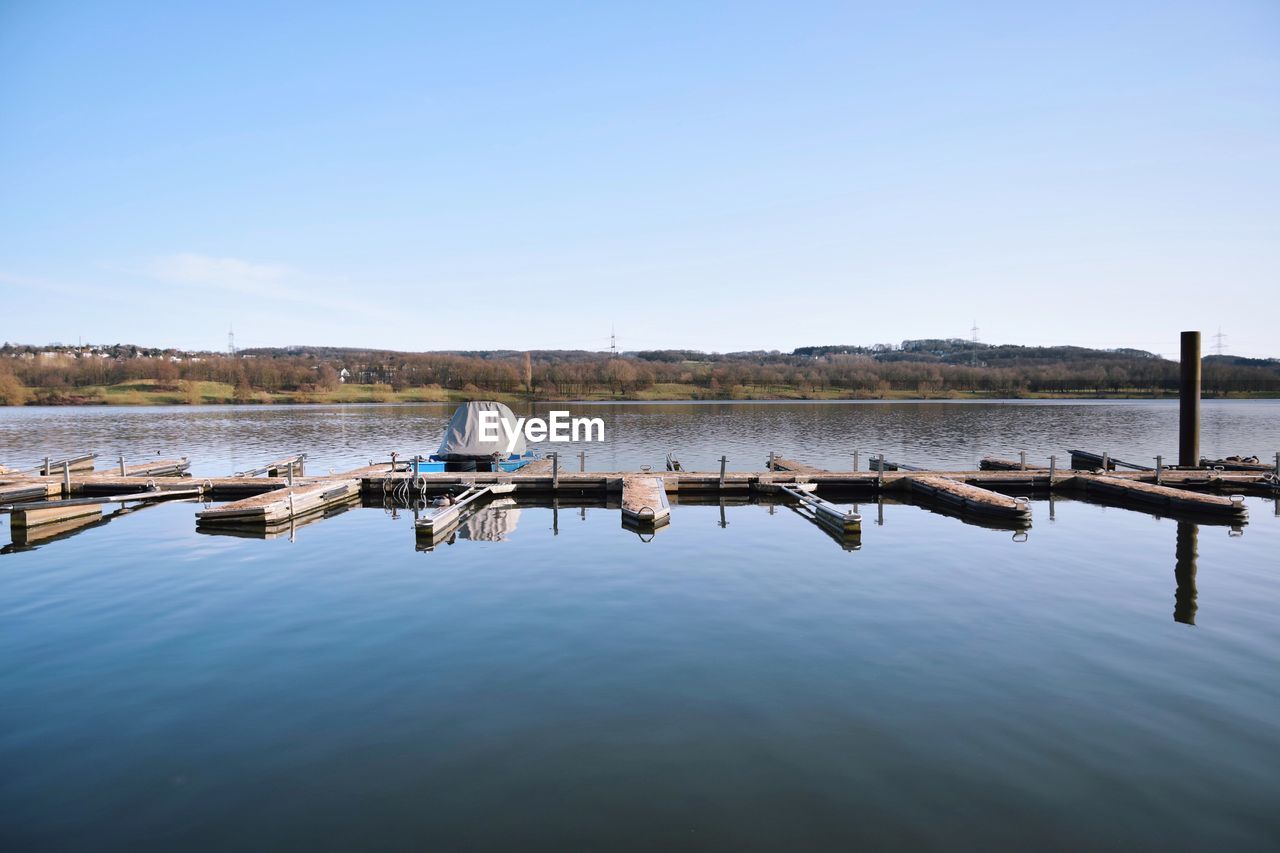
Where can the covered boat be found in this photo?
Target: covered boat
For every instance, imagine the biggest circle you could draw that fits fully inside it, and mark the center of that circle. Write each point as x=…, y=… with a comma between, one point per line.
x=468, y=447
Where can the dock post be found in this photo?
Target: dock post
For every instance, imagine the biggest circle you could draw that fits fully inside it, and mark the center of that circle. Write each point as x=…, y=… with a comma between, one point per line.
x=393, y=462
x=66, y=478
x=880, y=471
x=1106, y=461
x=45, y=470
x=582, y=461
x=723, y=461
x=121, y=464
x=1053, y=470
x=289, y=475
x=555, y=470
x=1022, y=460
x=768, y=465
x=1159, y=468
x=1189, y=402
x=1278, y=463
x=855, y=460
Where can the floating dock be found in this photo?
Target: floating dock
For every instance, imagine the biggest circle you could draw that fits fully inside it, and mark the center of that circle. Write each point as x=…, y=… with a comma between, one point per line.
x=844, y=524
x=965, y=498
x=1164, y=497
x=274, y=498
x=644, y=502
x=440, y=520
x=283, y=504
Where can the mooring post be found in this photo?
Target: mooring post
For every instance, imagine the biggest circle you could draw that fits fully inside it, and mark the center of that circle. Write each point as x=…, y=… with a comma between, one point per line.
x=45, y=470
x=724, y=460
x=880, y=471
x=66, y=478
x=582, y=461
x=1189, y=402
x=555, y=470
x=1106, y=462
x=121, y=464
x=393, y=462
x=1159, y=468
x=855, y=459
x=768, y=465
x=1278, y=463
x=289, y=475
x=1022, y=460
x=1053, y=470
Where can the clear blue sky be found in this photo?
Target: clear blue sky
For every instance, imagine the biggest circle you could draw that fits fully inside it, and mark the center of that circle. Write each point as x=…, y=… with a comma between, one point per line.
x=711, y=176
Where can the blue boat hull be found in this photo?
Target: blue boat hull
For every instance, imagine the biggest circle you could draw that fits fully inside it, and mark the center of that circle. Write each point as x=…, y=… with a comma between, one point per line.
x=435, y=465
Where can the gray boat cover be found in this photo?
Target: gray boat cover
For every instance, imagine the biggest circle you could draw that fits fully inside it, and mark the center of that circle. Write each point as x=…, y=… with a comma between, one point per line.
x=462, y=438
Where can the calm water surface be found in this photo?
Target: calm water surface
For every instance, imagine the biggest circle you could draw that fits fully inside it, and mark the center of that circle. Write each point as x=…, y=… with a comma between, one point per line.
x=739, y=682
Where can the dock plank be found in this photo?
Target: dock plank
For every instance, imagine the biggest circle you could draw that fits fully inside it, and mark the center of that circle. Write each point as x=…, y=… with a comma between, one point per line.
x=1162, y=496
x=644, y=501
x=968, y=498
x=285, y=503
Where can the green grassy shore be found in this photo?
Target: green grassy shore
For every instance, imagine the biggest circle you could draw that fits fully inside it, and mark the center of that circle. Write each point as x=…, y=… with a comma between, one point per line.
x=148, y=393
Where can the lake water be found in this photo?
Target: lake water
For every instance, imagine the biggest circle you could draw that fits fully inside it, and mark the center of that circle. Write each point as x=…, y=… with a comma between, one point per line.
x=740, y=682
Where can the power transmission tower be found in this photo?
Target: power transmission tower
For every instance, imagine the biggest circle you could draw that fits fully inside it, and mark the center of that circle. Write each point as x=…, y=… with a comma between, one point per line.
x=973, y=359
x=231, y=341
x=613, y=342
x=1218, y=342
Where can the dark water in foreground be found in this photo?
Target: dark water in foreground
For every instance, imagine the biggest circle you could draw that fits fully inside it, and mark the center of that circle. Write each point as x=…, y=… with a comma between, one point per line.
x=571, y=687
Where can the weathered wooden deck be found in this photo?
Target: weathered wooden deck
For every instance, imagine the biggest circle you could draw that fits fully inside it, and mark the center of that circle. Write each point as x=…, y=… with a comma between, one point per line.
x=276, y=494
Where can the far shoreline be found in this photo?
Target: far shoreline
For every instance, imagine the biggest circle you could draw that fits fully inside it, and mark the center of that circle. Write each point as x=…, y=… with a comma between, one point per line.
x=144, y=394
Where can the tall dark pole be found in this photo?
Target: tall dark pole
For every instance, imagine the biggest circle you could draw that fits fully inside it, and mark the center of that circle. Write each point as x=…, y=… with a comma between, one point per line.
x=1189, y=401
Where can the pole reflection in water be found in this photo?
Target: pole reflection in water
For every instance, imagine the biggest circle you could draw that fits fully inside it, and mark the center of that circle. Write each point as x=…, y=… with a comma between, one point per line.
x=879, y=512
x=555, y=517
x=723, y=522
x=1184, y=597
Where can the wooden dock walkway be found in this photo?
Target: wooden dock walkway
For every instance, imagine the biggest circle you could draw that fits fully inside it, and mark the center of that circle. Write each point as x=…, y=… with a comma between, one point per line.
x=970, y=499
x=644, y=501
x=779, y=463
x=1164, y=497
x=283, y=504
x=276, y=494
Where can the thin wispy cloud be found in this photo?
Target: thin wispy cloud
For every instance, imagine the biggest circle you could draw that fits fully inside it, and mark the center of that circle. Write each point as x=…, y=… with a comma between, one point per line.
x=261, y=279
x=227, y=273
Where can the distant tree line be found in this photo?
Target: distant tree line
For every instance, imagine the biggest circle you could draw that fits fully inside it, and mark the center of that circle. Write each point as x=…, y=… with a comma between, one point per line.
x=919, y=367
